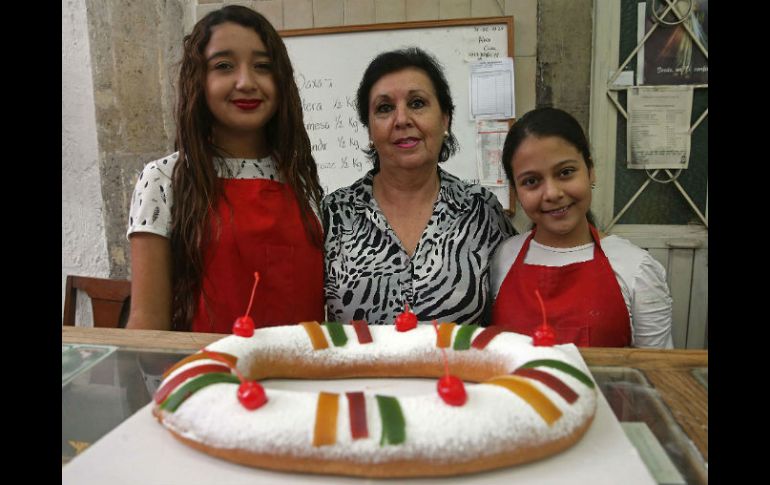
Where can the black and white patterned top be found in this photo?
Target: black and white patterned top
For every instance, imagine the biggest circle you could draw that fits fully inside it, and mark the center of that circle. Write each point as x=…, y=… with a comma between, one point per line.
x=151, y=203
x=369, y=275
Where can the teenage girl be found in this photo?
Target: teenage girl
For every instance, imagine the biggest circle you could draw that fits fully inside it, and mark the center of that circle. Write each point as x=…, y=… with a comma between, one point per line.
x=598, y=290
x=238, y=197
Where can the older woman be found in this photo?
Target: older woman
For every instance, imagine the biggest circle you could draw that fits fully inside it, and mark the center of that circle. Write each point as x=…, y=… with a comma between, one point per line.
x=408, y=232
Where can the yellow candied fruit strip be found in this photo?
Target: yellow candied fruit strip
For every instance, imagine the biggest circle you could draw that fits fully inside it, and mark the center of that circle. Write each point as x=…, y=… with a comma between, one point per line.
x=325, y=432
x=444, y=337
x=539, y=401
x=317, y=337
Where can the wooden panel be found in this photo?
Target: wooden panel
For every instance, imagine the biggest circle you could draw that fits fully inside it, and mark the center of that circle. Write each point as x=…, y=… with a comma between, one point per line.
x=663, y=236
x=680, y=279
x=699, y=301
x=108, y=298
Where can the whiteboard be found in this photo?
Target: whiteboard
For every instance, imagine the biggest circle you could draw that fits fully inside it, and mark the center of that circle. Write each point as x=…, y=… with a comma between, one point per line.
x=330, y=62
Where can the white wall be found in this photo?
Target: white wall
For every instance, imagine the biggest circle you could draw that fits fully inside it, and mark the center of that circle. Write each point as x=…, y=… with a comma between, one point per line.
x=84, y=247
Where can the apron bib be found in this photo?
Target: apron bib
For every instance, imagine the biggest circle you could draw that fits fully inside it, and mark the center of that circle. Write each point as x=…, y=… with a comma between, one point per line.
x=583, y=301
x=259, y=228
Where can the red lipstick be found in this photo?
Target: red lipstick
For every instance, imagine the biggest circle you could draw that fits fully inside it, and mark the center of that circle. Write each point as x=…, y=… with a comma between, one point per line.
x=247, y=104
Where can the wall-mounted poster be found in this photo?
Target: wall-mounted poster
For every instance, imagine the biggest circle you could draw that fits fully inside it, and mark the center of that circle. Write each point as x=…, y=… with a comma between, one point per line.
x=658, y=127
x=670, y=54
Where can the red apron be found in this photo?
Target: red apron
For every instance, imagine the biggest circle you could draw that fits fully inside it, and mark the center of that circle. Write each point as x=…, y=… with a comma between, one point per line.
x=583, y=301
x=259, y=229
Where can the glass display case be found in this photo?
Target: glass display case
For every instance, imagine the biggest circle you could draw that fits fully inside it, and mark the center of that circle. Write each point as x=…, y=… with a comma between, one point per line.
x=665, y=448
x=103, y=385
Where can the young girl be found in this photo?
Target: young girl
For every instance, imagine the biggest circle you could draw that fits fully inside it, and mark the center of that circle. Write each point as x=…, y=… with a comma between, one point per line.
x=239, y=195
x=598, y=290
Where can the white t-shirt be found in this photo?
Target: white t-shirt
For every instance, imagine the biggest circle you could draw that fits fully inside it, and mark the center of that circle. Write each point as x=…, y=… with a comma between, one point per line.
x=642, y=281
x=151, y=203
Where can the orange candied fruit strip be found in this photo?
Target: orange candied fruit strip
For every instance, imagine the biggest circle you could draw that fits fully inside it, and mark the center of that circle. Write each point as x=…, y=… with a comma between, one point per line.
x=316, y=334
x=325, y=432
x=444, y=337
x=539, y=401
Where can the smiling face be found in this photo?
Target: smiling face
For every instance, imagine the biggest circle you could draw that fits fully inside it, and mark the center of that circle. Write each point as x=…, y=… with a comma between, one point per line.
x=406, y=123
x=240, y=87
x=553, y=185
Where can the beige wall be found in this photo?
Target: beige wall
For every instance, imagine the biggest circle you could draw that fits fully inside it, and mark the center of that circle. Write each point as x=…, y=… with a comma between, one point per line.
x=84, y=247
x=134, y=47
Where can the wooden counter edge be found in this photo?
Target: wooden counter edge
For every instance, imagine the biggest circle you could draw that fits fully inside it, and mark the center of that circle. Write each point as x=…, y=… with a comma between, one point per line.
x=170, y=341
x=138, y=339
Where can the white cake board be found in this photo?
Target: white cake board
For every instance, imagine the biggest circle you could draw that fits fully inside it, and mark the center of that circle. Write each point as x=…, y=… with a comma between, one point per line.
x=141, y=451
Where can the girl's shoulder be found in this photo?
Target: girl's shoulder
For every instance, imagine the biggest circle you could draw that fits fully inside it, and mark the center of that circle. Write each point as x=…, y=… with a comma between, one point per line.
x=510, y=247
x=616, y=246
x=161, y=167
x=622, y=253
x=514, y=243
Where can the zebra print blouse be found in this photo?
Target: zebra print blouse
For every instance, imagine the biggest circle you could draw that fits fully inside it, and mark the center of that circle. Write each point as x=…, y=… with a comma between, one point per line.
x=369, y=276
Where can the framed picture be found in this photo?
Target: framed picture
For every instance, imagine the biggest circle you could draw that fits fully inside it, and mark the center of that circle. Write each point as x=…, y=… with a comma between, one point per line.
x=671, y=56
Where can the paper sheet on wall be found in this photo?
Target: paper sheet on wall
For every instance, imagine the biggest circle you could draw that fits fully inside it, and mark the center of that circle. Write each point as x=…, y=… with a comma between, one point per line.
x=491, y=92
x=490, y=136
x=659, y=127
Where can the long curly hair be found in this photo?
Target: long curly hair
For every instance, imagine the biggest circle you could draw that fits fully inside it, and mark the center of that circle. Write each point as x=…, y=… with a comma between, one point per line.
x=195, y=182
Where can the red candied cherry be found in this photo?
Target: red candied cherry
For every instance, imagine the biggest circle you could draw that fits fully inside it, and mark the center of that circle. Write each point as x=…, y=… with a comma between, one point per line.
x=452, y=390
x=544, y=336
x=406, y=320
x=244, y=326
x=251, y=395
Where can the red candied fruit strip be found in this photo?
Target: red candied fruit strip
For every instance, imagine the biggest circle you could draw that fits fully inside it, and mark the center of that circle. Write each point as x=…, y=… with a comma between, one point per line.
x=486, y=336
x=357, y=408
x=551, y=381
x=162, y=393
x=362, y=331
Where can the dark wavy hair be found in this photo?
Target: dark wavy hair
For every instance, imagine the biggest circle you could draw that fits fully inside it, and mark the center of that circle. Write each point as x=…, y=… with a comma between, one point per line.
x=195, y=182
x=398, y=60
x=542, y=122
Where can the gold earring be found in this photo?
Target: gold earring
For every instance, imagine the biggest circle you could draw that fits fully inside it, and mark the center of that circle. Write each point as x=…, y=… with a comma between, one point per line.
x=446, y=134
x=371, y=145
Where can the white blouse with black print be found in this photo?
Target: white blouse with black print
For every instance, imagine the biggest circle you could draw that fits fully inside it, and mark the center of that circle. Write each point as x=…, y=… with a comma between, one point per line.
x=151, y=203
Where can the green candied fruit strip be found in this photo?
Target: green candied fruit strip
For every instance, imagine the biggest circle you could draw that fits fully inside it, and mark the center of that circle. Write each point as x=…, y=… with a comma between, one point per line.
x=190, y=387
x=393, y=424
x=463, y=337
x=562, y=366
x=337, y=333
